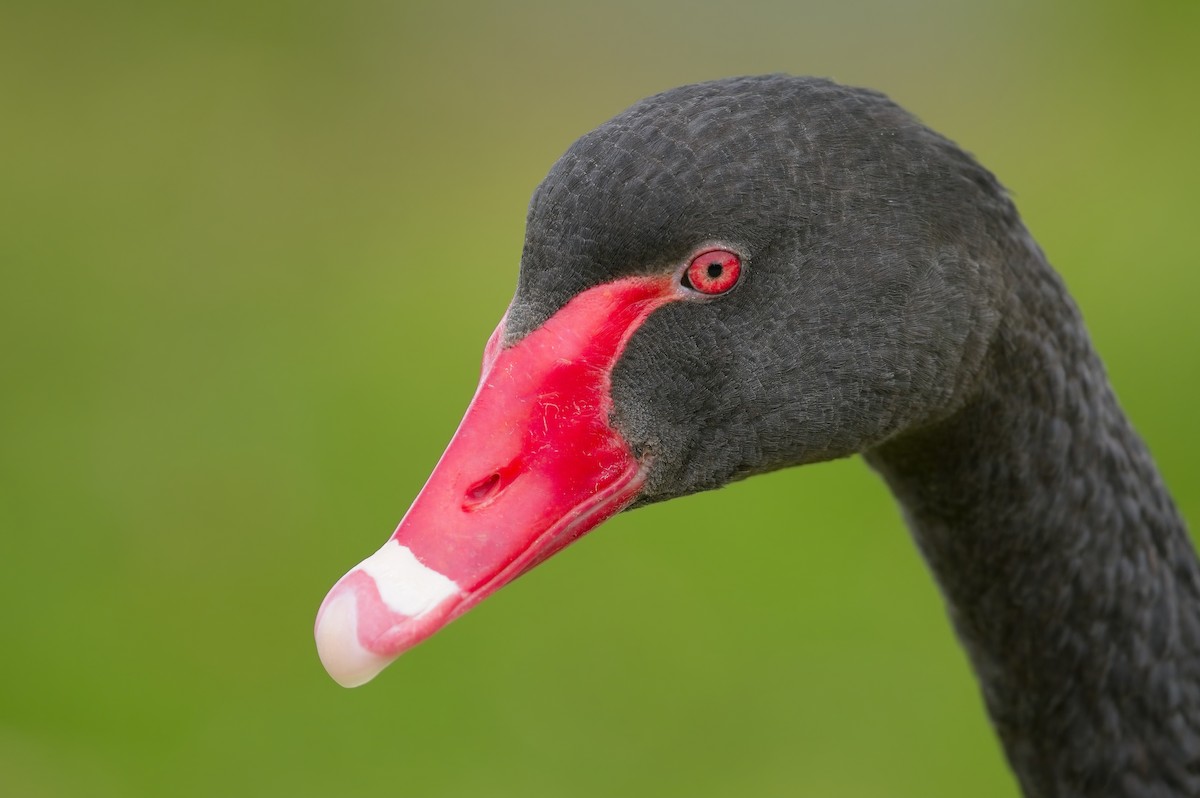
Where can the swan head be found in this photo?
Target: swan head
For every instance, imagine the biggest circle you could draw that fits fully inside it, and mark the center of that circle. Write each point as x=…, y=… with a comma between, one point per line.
x=725, y=279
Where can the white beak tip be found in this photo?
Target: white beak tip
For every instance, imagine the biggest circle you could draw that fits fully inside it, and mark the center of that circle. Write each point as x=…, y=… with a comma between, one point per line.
x=347, y=661
x=391, y=601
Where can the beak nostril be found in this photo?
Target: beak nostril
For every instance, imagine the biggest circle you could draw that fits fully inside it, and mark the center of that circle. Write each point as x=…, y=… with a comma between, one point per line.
x=482, y=490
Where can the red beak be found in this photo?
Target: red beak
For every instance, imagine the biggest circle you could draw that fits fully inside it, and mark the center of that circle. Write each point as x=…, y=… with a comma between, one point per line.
x=533, y=466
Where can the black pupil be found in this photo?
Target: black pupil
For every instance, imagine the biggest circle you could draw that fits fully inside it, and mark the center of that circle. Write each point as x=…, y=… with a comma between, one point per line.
x=714, y=269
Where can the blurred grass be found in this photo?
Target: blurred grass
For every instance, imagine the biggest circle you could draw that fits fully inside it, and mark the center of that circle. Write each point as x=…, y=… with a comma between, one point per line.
x=251, y=253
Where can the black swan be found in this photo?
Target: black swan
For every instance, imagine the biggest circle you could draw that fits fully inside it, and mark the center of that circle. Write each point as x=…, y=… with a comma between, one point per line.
x=742, y=275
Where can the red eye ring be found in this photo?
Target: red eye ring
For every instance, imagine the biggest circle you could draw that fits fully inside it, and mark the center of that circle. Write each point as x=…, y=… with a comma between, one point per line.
x=713, y=271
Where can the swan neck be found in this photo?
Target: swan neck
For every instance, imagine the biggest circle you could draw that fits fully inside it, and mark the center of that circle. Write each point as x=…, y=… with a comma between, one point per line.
x=1067, y=570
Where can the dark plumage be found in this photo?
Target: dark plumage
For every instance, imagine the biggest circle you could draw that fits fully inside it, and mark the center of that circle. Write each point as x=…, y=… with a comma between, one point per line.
x=893, y=304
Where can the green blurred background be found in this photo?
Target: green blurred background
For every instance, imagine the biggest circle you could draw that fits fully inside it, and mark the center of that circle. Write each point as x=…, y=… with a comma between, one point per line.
x=251, y=253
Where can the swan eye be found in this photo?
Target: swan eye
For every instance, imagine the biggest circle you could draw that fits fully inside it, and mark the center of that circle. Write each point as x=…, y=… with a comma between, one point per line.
x=713, y=271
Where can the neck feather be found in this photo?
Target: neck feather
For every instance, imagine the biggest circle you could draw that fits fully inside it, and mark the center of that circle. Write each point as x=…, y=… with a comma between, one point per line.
x=1065, y=565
